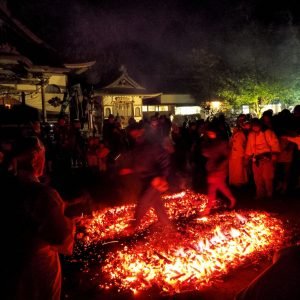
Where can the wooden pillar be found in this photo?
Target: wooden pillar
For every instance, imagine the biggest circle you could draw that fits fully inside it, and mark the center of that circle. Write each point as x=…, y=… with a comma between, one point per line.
x=77, y=104
x=23, y=98
x=132, y=106
x=90, y=108
x=44, y=111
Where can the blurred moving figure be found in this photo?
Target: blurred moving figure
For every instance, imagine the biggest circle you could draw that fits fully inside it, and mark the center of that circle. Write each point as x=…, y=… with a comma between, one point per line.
x=216, y=150
x=151, y=165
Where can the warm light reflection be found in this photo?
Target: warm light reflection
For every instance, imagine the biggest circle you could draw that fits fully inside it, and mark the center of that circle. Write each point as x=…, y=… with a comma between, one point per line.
x=215, y=104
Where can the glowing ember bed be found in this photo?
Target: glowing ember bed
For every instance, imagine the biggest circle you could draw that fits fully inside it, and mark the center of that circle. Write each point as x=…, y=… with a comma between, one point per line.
x=203, y=249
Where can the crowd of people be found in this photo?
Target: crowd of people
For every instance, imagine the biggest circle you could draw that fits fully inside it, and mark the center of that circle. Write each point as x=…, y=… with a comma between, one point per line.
x=208, y=156
x=201, y=151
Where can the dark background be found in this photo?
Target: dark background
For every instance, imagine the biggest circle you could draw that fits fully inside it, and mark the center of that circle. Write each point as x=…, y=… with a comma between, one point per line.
x=155, y=40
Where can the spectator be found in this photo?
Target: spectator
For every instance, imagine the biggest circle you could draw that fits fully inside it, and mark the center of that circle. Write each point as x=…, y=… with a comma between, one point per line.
x=108, y=128
x=224, y=128
x=266, y=119
x=295, y=172
x=62, y=159
x=77, y=145
x=284, y=164
x=102, y=155
x=199, y=161
x=237, y=170
x=283, y=127
x=263, y=149
x=38, y=229
x=164, y=125
x=296, y=119
x=91, y=157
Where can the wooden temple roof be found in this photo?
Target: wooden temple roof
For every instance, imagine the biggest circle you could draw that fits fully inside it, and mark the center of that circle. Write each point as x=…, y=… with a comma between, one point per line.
x=22, y=53
x=125, y=85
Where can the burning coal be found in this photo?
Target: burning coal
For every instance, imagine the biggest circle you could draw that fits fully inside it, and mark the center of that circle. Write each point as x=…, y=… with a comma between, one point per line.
x=111, y=222
x=203, y=249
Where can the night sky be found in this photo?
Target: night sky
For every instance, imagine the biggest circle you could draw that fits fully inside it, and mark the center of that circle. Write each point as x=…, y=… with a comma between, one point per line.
x=154, y=39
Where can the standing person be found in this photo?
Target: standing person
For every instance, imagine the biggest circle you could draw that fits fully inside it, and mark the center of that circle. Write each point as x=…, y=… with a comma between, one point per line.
x=165, y=125
x=153, y=132
x=62, y=159
x=284, y=164
x=199, y=161
x=150, y=163
x=223, y=126
x=263, y=148
x=102, y=155
x=295, y=172
x=38, y=229
x=216, y=151
x=237, y=170
x=36, y=129
x=77, y=145
x=108, y=128
x=179, y=154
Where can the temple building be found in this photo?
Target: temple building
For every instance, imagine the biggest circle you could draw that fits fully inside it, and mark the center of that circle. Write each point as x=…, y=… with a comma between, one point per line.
x=125, y=98
x=32, y=72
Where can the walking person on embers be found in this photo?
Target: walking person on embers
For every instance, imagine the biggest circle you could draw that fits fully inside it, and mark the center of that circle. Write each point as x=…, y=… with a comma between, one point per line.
x=216, y=151
x=263, y=148
x=34, y=230
x=150, y=163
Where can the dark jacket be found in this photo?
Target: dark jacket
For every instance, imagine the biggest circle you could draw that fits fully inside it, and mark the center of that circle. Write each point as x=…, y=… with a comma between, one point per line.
x=148, y=160
x=217, y=152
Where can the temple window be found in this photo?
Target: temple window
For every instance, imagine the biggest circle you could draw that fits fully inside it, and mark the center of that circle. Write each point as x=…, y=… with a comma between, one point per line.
x=137, y=112
x=52, y=89
x=163, y=108
x=107, y=111
x=151, y=108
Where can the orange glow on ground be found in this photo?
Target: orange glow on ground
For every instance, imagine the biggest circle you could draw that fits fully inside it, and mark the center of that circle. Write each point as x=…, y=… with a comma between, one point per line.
x=204, y=248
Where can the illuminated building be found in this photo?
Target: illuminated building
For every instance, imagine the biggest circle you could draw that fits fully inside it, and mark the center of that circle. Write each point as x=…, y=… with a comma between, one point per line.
x=31, y=72
x=125, y=98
